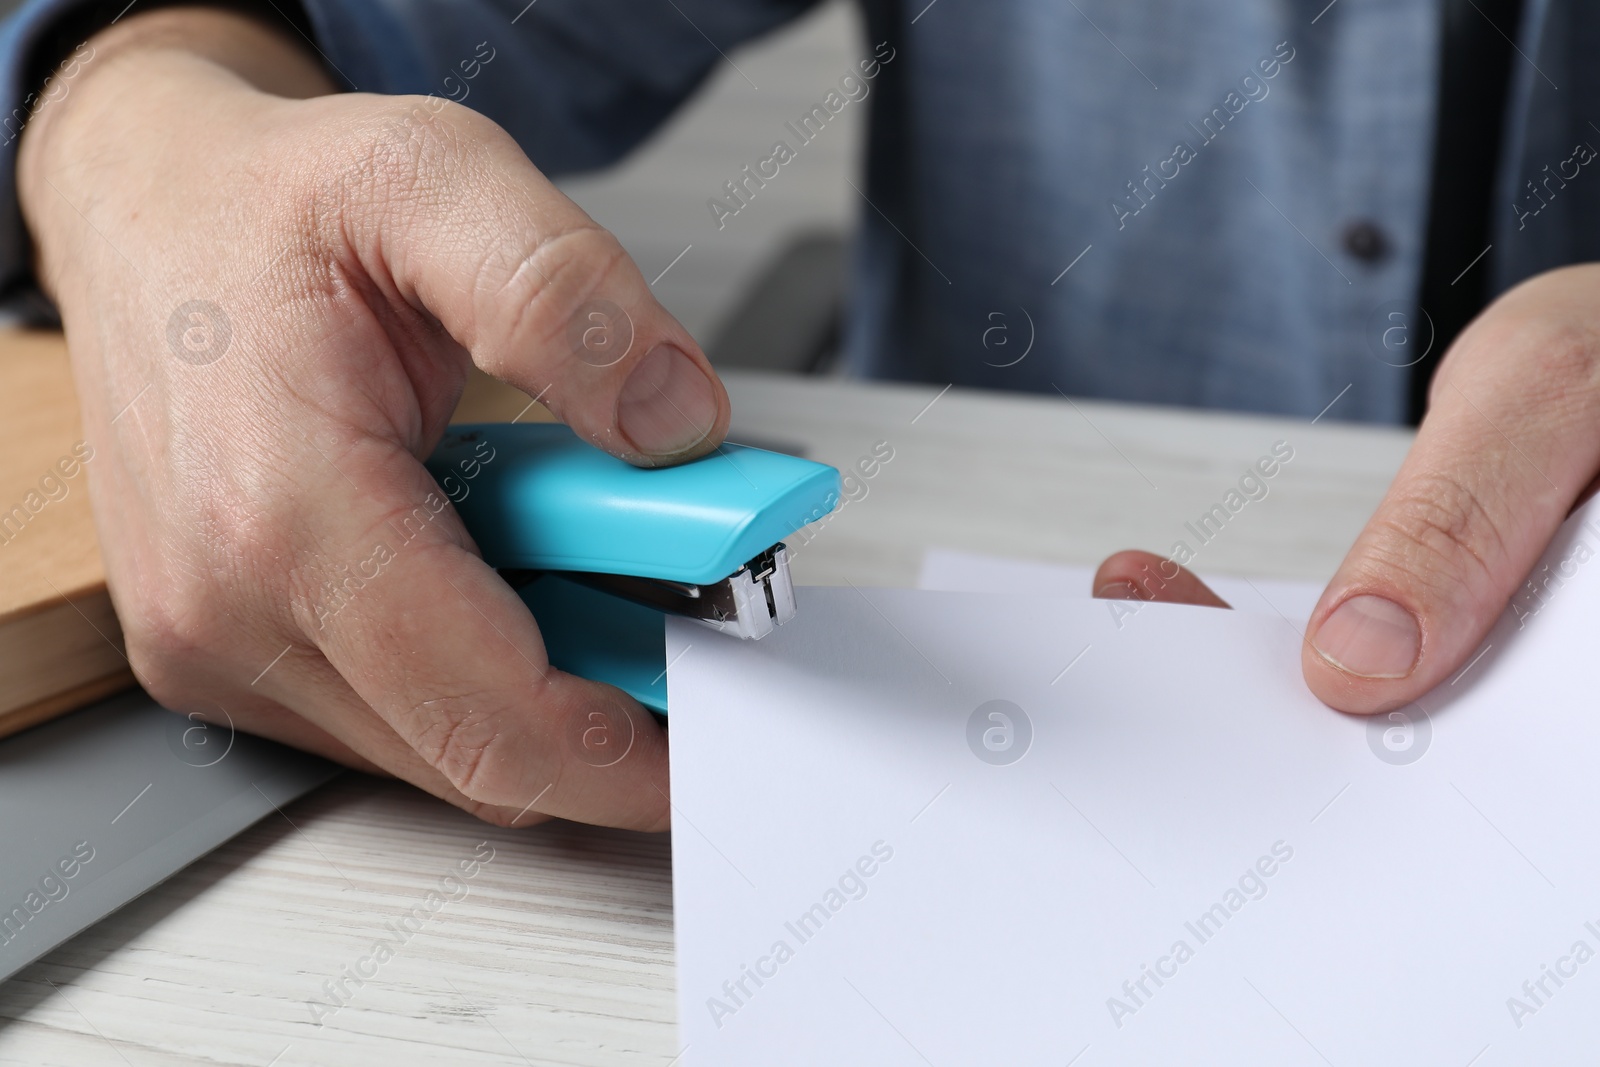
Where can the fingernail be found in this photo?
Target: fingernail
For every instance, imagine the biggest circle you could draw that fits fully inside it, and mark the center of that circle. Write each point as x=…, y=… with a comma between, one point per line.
x=668, y=404
x=1118, y=591
x=1370, y=637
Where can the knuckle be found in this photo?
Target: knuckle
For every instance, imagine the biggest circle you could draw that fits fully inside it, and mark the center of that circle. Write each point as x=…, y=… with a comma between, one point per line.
x=399, y=152
x=544, y=288
x=399, y=157
x=166, y=634
x=1565, y=358
x=1438, y=527
x=465, y=744
x=1545, y=355
x=446, y=124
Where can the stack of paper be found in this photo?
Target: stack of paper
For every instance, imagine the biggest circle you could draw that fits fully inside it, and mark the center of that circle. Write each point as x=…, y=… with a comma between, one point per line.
x=949, y=828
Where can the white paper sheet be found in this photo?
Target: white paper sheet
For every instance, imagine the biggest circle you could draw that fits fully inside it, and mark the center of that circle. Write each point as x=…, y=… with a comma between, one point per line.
x=908, y=894
x=957, y=571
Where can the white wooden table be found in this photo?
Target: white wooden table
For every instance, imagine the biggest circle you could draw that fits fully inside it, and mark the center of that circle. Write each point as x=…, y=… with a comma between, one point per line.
x=561, y=953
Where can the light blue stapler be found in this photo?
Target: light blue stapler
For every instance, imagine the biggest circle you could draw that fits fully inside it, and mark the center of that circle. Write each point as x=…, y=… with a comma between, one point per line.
x=599, y=549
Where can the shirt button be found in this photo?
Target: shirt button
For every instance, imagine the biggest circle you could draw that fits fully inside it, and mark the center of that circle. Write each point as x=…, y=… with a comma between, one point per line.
x=1365, y=240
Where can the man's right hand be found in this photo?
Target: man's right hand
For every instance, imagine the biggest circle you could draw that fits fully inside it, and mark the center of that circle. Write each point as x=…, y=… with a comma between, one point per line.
x=272, y=295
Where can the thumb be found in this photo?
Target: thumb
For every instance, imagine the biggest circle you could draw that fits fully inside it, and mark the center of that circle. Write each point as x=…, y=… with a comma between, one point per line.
x=1508, y=443
x=539, y=294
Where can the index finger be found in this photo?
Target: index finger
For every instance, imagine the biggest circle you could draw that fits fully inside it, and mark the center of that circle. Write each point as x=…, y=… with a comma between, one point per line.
x=448, y=655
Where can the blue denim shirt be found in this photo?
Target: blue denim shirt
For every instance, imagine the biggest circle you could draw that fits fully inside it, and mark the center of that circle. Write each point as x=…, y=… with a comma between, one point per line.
x=1147, y=198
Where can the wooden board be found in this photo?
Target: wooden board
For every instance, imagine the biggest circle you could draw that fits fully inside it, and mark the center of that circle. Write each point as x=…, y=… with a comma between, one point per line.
x=60, y=645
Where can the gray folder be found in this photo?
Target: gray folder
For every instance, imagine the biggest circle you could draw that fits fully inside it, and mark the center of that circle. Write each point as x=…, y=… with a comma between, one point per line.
x=100, y=805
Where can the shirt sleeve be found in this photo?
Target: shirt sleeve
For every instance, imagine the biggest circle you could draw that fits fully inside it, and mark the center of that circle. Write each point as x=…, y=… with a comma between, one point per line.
x=576, y=82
